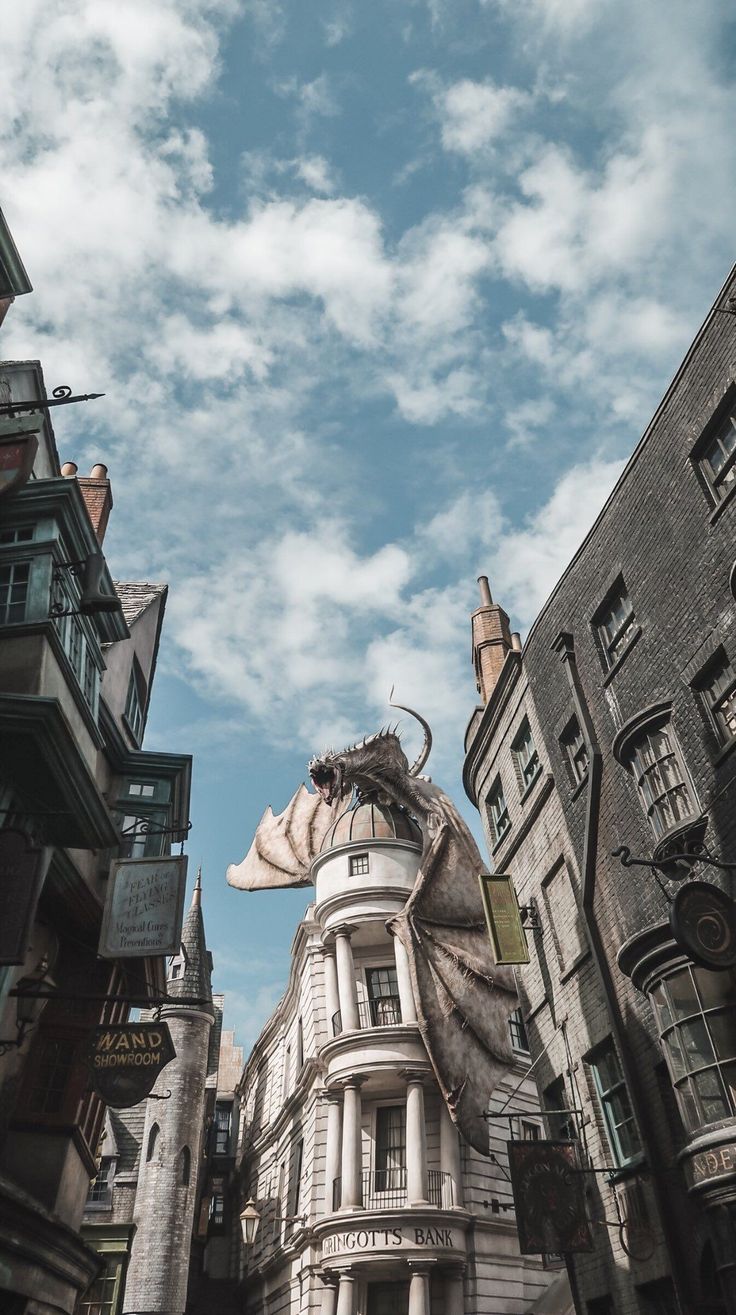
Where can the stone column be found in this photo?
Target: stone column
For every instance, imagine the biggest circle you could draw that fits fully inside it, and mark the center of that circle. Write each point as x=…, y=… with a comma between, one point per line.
x=329, y=1295
x=454, y=1295
x=332, y=1151
x=345, y=1296
x=346, y=978
x=352, y=1160
x=406, y=995
x=416, y=1138
x=419, y=1291
x=450, y=1157
x=332, y=998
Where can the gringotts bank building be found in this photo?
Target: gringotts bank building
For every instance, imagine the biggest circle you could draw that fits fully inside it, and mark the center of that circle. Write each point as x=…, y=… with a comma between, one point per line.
x=364, y=1197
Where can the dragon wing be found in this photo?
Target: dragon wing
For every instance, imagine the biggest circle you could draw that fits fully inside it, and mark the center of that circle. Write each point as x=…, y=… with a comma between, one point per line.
x=284, y=846
x=463, y=999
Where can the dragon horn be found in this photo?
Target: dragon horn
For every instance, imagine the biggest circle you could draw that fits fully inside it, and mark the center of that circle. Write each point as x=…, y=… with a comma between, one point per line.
x=426, y=748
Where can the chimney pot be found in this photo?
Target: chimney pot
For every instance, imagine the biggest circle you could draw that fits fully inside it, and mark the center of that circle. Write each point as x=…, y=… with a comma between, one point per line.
x=485, y=591
x=98, y=471
x=69, y=469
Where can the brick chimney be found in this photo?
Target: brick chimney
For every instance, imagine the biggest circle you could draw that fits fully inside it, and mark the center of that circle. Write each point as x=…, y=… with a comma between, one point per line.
x=492, y=640
x=97, y=496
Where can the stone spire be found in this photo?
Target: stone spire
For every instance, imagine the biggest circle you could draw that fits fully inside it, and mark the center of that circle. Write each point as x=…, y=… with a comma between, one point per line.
x=194, y=979
x=492, y=640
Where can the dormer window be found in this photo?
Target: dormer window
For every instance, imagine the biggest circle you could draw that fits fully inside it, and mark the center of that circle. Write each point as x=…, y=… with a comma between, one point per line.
x=135, y=702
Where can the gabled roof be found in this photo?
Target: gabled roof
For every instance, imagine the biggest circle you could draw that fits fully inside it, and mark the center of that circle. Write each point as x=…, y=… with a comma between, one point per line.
x=136, y=595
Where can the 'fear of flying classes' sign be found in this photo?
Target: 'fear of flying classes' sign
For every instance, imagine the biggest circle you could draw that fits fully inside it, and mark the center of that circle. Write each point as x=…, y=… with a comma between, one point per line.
x=125, y=1060
x=144, y=908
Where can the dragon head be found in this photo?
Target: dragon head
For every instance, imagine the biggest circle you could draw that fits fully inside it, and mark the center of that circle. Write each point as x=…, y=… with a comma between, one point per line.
x=369, y=766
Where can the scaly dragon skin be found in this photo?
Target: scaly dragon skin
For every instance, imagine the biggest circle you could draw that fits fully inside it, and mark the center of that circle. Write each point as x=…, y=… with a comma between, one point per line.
x=463, y=1000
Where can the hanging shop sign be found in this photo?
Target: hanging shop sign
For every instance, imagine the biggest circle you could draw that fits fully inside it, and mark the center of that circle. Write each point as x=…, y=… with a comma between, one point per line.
x=145, y=907
x=23, y=867
x=125, y=1060
x=505, y=929
x=549, y=1197
x=18, y=448
x=703, y=922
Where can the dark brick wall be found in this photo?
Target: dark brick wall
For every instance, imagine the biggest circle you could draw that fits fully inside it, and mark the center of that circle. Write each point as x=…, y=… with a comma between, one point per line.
x=660, y=531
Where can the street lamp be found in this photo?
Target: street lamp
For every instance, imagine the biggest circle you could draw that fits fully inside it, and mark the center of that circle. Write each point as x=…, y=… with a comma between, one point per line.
x=250, y=1218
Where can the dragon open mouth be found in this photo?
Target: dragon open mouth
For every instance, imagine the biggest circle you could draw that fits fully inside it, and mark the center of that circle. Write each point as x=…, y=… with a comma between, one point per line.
x=327, y=781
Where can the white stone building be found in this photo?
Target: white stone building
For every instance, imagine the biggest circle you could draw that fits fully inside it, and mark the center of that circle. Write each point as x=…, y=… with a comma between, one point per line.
x=369, y=1203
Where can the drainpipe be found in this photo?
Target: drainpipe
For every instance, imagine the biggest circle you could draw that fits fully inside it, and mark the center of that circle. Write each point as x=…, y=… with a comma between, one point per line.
x=564, y=645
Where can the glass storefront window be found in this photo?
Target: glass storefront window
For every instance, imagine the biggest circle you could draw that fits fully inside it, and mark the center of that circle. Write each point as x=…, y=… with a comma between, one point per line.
x=697, y=1024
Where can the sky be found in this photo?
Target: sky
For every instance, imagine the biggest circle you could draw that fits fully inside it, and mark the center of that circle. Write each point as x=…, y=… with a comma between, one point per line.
x=381, y=296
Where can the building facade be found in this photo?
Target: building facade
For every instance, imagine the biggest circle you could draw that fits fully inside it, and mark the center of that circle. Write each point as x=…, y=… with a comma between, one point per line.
x=156, y=1210
x=77, y=790
x=368, y=1202
x=608, y=738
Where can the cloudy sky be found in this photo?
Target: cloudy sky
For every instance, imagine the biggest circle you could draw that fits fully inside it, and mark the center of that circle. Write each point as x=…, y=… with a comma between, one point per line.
x=380, y=296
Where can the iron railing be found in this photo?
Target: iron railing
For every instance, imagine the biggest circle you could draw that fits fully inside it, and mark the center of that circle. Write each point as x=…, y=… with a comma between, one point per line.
x=384, y=1189
x=382, y=1012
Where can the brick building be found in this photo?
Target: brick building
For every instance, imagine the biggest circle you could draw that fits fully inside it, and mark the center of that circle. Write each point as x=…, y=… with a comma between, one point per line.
x=77, y=790
x=616, y=726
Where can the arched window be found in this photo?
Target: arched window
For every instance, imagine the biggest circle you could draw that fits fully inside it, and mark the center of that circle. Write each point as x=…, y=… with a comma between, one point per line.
x=152, y=1142
x=185, y=1165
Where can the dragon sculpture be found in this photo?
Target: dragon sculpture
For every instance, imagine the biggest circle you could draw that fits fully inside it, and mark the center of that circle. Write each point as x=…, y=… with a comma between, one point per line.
x=463, y=999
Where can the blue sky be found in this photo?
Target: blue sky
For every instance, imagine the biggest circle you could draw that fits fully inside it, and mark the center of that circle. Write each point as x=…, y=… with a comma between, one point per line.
x=381, y=296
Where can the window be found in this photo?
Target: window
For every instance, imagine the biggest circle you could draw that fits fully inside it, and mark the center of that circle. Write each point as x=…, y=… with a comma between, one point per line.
x=654, y=759
x=100, y=1189
x=561, y=1120
x=613, y=1097
x=223, y=1115
x=696, y=1014
x=530, y=1131
x=526, y=757
x=358, y=865
x=390, y=1163
x=135, y=703
x=718, y=457
x=152, y=1142
x=384, y=1008
x=614, y=624
x=519, y=1038
x=185, y=1166
x=575, y=750
x=498, y=813
x=102, y=1298
x=296, y=1190
x=13, y=591
x=142, y=789
x=23, y=534
x=717, y=688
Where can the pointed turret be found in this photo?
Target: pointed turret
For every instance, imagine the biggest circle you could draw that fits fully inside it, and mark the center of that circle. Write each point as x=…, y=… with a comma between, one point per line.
x=190, y=971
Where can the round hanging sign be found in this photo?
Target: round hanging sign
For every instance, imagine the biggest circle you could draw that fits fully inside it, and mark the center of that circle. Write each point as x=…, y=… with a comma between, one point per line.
x=703, y=922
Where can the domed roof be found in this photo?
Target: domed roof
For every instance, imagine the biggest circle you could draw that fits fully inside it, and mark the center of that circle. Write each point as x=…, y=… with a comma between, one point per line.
x=372, y=821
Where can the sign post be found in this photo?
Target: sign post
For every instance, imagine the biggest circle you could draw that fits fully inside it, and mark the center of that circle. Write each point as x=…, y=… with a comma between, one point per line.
x=126, y=1058
x=505, y=929
x=144, y=909
x=549, y=1197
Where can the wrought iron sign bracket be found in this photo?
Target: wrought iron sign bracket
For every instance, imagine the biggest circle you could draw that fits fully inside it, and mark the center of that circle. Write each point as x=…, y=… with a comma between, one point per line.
x=60, y=396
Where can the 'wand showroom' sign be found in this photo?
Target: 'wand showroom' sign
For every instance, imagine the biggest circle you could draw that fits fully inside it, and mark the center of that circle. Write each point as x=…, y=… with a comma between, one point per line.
x=125, y=1060
x=145, y=907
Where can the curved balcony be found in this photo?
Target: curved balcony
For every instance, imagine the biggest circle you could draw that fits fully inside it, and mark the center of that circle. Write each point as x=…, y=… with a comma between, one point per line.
x=385, y=1189
x=383, y=1012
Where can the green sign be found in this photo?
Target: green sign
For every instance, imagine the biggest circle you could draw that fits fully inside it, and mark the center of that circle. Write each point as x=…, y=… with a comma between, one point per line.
x=508, y=941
